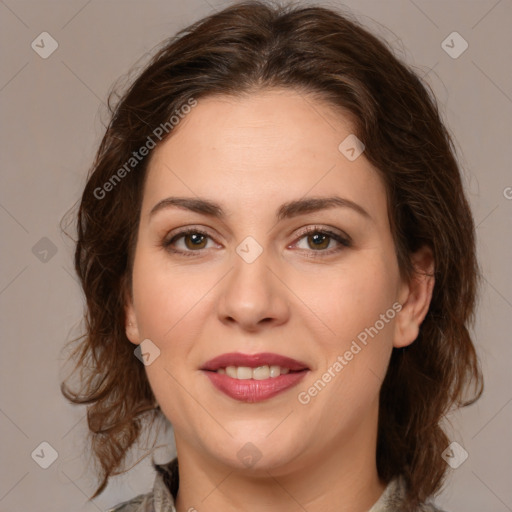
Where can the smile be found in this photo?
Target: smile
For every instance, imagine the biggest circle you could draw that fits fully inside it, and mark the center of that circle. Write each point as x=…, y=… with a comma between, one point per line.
x=259, y=373
x=254, y=378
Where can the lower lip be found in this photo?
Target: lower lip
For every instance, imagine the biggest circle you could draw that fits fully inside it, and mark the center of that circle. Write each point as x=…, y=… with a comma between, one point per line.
x=250, y=390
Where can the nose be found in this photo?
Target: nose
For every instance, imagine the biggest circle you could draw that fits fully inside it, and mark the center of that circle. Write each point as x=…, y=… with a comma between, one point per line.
x=253, y=295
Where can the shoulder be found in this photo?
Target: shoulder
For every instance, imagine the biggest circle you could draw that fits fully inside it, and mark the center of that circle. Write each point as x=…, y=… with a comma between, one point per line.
x=161, y=498
x=138, y=504
x=430, y=507
x=393, y=497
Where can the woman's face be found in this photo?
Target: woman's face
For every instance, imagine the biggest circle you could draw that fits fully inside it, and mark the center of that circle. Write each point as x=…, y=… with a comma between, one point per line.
x=259, y=283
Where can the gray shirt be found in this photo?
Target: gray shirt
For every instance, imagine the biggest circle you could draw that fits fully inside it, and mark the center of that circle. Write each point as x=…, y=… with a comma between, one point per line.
x=165, y=489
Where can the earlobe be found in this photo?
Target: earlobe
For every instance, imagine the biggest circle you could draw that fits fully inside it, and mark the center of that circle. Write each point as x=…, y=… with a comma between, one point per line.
x=415, y=297
x=131, y=329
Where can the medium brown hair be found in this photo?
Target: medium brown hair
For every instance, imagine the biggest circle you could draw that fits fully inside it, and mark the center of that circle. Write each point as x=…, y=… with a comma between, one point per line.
x=247, y=47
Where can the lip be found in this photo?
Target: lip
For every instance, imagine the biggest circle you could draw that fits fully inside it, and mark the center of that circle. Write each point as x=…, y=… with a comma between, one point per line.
x=251, y=390
x=253, y=361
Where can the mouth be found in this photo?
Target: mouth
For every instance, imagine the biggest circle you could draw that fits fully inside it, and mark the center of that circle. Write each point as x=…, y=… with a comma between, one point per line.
x=258, y=373
x=253, y=378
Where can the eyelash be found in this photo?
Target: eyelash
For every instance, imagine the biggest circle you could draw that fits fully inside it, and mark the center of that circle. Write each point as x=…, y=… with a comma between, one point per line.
x=344, y=242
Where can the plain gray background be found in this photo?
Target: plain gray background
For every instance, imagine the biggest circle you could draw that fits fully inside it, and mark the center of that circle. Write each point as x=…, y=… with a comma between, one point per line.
x=52, y=121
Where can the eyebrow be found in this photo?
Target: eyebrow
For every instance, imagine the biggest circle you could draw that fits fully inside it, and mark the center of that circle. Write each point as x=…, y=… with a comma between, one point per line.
x=285, y=211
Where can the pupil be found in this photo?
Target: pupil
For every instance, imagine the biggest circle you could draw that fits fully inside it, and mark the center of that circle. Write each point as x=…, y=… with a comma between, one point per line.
x=194, y=239
x=317, y=238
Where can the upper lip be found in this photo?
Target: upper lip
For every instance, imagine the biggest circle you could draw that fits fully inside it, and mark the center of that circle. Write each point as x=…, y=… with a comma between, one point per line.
x=253, y=361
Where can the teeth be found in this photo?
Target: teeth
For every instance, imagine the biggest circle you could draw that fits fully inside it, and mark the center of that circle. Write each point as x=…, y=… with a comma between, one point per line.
x=259, y=373
x=243, y=373
x=263, y=372
x=231, y=372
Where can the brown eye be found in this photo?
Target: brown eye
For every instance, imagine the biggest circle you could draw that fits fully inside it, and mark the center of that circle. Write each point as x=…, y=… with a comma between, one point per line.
x=194, y=241
x=318, y=242
x=319, y=239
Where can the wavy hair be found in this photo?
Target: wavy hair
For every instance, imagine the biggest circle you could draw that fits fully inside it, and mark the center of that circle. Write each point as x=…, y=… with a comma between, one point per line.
x=246, y=47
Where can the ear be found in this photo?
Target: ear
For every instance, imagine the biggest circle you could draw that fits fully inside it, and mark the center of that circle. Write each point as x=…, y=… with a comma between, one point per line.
x=131, y=327
x=415, y=296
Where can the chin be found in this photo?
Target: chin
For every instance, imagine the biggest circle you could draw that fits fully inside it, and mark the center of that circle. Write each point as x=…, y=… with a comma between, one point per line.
x=257, y=455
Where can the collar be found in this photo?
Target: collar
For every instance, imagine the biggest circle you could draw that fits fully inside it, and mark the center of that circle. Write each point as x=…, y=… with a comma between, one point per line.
x=165, y=490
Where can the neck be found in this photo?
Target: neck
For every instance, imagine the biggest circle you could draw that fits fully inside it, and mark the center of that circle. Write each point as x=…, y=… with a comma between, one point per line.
x=340, y=478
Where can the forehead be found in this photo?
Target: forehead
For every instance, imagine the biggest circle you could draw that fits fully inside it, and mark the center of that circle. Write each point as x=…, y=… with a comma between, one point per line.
x=267, y=123
x=244, y=151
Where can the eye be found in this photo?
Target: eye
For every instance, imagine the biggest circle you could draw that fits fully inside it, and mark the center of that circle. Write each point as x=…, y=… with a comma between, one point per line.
x=194, y=240
x=320, y=238
x=317, y=238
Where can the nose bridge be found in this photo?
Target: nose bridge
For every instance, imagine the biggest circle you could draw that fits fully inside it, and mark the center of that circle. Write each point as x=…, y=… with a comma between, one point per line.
x=252, y=292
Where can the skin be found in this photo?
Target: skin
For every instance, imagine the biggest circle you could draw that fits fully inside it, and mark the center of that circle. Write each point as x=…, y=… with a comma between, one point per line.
x=251, y=155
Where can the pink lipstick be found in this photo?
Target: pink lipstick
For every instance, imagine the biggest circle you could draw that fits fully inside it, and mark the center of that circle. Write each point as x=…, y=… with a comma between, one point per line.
x=256, y=377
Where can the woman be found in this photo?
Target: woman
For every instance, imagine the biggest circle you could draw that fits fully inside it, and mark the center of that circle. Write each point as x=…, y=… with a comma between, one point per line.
x=275, y=222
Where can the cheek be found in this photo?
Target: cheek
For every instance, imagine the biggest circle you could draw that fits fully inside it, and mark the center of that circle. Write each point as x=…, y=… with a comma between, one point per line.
x=167, y=302
x=352, y=298
x=165, y=296
x=358, y=309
